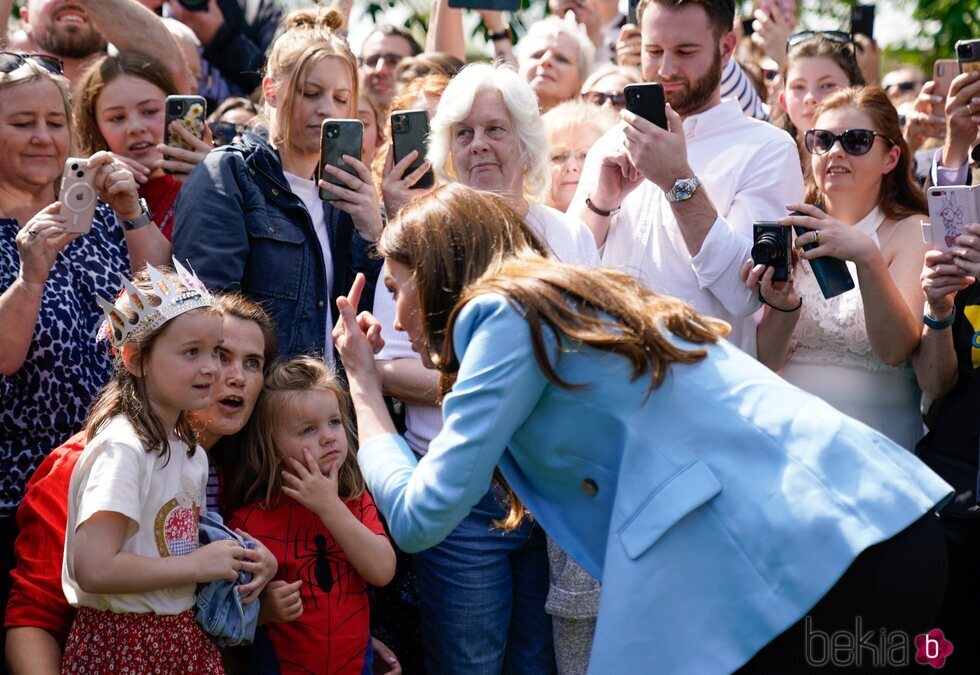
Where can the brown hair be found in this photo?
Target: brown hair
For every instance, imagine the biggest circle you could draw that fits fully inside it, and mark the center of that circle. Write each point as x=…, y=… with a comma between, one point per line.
x=721, y=13
x=429, y=63
x=461, y=242
x=308, y=36
x=900, y=195
x=95, y=79
x=259, y=475
x=125, y=394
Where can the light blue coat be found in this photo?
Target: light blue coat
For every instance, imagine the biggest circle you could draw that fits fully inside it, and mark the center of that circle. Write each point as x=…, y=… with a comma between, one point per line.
x=716, y=511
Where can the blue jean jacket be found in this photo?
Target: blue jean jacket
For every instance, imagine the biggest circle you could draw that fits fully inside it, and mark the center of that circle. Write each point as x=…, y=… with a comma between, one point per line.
x=243, y=229
x=219, y=604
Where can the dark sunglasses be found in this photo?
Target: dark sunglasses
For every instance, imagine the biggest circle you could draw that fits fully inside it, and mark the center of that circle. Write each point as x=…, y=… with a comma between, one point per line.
x=224, y=133
x=11, y=61
x=838, y=36
x=599, y=98
x=853, y=141
x=389, y=60
x=904, y=87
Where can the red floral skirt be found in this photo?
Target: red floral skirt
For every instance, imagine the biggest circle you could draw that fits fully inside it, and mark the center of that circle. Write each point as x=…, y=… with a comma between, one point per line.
x=102, y=642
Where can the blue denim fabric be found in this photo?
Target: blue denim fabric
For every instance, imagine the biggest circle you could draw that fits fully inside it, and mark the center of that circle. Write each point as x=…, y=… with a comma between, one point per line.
x=219, y=604
x=483, y=592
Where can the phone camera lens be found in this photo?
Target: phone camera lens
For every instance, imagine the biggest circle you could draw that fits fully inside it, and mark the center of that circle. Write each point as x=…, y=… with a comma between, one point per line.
x=74, y=167
x=80, y=174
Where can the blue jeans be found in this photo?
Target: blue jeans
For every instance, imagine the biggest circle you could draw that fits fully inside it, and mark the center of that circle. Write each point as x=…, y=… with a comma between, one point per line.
x=483, y=592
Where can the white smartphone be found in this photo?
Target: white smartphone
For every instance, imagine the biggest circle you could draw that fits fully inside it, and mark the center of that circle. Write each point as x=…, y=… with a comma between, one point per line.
x=77, y=195
x=950, y=209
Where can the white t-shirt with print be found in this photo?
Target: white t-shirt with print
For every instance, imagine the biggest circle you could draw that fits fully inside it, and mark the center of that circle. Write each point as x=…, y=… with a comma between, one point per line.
x=161, y=498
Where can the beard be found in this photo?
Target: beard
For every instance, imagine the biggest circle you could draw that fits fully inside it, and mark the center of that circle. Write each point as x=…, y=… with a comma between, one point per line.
x=71, y=42
x=697, y=94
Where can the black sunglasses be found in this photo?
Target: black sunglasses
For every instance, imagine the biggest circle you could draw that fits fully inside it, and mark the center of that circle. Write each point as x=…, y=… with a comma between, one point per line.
x=838, y=36
x=11, y=61
x=853, y=141
x=903, y=87
x=599, y=98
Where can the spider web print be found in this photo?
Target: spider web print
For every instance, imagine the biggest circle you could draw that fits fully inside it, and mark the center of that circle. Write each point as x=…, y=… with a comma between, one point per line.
x=331, y=636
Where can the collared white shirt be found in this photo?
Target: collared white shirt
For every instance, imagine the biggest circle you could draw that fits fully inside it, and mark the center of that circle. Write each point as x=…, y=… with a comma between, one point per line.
x=751, y=171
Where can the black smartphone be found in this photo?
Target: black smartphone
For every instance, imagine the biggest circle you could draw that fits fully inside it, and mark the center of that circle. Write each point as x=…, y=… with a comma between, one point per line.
x=191, y=112
x=647, y=100
x=338, y=138
x=747, y=27
x=968, y=55
x=863, y=20
x=499, y=5
x=410, y=131
x=631, y=12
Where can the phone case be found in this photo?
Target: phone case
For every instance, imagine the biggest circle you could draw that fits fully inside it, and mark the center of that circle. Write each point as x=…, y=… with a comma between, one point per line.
x=631, y=12
x=647, y=100
x=191, y=112
x=338, y=138
x=863, y=20
x=950, y=208
x=77, y=195
x=943, y=72
x=410, y=131
x=968, y=53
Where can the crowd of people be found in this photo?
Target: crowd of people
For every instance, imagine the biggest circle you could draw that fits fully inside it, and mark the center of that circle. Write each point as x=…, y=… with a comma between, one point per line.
x=550, y=412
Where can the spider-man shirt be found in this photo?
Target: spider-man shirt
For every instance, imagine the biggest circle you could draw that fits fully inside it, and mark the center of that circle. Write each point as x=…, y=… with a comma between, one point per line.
x=332, y=635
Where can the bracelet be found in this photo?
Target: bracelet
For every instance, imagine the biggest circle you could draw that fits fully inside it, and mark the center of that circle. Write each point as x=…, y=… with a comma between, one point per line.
x=500, y=35
x=600, y=212
x=23, y=286
x=939, y=324
x=779, y=309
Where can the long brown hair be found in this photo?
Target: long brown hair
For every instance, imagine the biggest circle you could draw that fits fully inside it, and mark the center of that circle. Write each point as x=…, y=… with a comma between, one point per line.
x=95, y=79
x=461, y=242
x=900, y=195
x=125, y=394
x=308, y=36
x=259, y=476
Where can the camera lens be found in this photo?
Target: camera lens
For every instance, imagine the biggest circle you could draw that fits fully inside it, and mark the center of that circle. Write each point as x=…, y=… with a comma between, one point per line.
x=768, y=250
x=74, y=167
x=80, y=174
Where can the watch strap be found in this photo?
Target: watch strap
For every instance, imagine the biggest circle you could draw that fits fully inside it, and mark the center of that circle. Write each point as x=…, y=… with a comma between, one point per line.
x=142, y=220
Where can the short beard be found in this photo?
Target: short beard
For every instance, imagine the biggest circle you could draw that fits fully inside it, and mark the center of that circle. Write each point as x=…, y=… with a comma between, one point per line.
x=687, y=102
x=70, y=43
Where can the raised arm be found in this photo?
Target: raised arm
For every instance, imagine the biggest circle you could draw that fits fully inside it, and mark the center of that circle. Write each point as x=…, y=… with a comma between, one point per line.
x=446, y=30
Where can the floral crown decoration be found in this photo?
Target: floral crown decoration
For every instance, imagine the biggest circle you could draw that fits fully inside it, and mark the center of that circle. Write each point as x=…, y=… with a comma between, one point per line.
x=174, y=301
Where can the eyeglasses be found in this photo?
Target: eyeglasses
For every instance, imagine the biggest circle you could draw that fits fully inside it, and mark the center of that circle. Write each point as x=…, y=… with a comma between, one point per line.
x=853, y=141
x=224, y=133
x=388, y=59
x=11, y=61
x=838, y=36
x=903, y=87
x=618, y=99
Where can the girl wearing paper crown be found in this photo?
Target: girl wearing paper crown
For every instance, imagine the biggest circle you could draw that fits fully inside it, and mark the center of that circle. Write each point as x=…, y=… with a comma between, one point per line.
x=132, y=560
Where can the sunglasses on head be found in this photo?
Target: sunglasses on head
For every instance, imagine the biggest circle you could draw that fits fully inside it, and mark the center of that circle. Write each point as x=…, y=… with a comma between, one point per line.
x=618, y=99
x=11, y=61
x=853, y=141
x=838, y=36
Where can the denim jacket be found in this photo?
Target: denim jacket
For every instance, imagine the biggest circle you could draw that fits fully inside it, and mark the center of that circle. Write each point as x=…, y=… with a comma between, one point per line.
x=219, y=604
x=241, y=228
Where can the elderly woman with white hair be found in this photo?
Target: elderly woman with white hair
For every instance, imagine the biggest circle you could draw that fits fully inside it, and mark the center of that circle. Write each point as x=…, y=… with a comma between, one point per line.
x=482, y=590
x=555, y=57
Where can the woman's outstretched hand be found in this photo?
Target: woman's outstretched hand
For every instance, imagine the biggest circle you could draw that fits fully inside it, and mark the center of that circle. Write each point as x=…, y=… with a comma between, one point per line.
x=357, y=336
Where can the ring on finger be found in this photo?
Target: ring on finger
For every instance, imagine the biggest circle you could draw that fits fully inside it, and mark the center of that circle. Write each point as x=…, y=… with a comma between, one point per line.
x=32, y=233
x=816, y=237
x=405, y=183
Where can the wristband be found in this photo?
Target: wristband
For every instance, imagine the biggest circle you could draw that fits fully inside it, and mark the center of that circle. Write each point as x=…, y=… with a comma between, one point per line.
x=600, y=212
x=779, y=309
x=500, y=35
x=939, y=324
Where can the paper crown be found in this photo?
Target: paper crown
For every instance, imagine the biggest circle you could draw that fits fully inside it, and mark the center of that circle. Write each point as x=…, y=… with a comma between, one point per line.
x=174, y=301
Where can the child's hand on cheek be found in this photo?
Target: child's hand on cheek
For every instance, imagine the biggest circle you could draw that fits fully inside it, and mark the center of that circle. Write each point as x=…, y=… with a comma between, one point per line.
x=308, y=485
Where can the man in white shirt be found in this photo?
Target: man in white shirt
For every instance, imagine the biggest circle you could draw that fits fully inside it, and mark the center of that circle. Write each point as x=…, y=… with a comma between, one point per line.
x=676, y=207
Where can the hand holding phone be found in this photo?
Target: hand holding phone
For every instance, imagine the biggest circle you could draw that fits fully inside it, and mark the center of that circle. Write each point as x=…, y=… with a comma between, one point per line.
x=647, y=100
x=78, y=195
x=338, y=137
x=410, y=131
x=188, y=111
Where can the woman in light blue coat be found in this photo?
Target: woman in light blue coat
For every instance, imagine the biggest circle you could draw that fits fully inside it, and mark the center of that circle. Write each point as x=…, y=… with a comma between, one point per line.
x=725, y=511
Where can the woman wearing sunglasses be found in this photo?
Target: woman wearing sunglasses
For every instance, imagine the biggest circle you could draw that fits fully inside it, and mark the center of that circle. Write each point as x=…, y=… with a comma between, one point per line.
x=863, y=207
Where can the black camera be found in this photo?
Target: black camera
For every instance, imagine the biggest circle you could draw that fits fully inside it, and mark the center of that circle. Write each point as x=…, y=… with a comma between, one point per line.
x=194, y=5
x=399, y=123
x=333, y=131
x=968, y=50
x=772, y=245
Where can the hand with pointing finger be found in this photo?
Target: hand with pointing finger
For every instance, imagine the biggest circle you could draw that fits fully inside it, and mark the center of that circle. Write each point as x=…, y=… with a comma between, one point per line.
x=357, y=336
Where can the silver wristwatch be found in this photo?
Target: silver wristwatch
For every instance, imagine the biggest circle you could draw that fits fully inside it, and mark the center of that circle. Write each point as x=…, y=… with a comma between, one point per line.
x=142, y=220
x=684, y=189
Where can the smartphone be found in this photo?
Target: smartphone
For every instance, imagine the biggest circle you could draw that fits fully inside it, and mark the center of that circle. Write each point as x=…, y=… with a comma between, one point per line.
x=338, y=138
x=77, y=195
x=863, y=20
x=968, y=55
x=647, y=100
x=631, y=12
x=410, y=131
x=191, y=112
x=498, y=5
x=950, y=209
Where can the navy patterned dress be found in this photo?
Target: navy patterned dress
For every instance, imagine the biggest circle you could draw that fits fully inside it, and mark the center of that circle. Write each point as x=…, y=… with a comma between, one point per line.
x=47, y=400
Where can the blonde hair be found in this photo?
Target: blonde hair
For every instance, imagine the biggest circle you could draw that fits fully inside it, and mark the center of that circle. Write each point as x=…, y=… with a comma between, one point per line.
x=308, y=36
x=259, y=475
x=125, y=394
x=32, y=72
